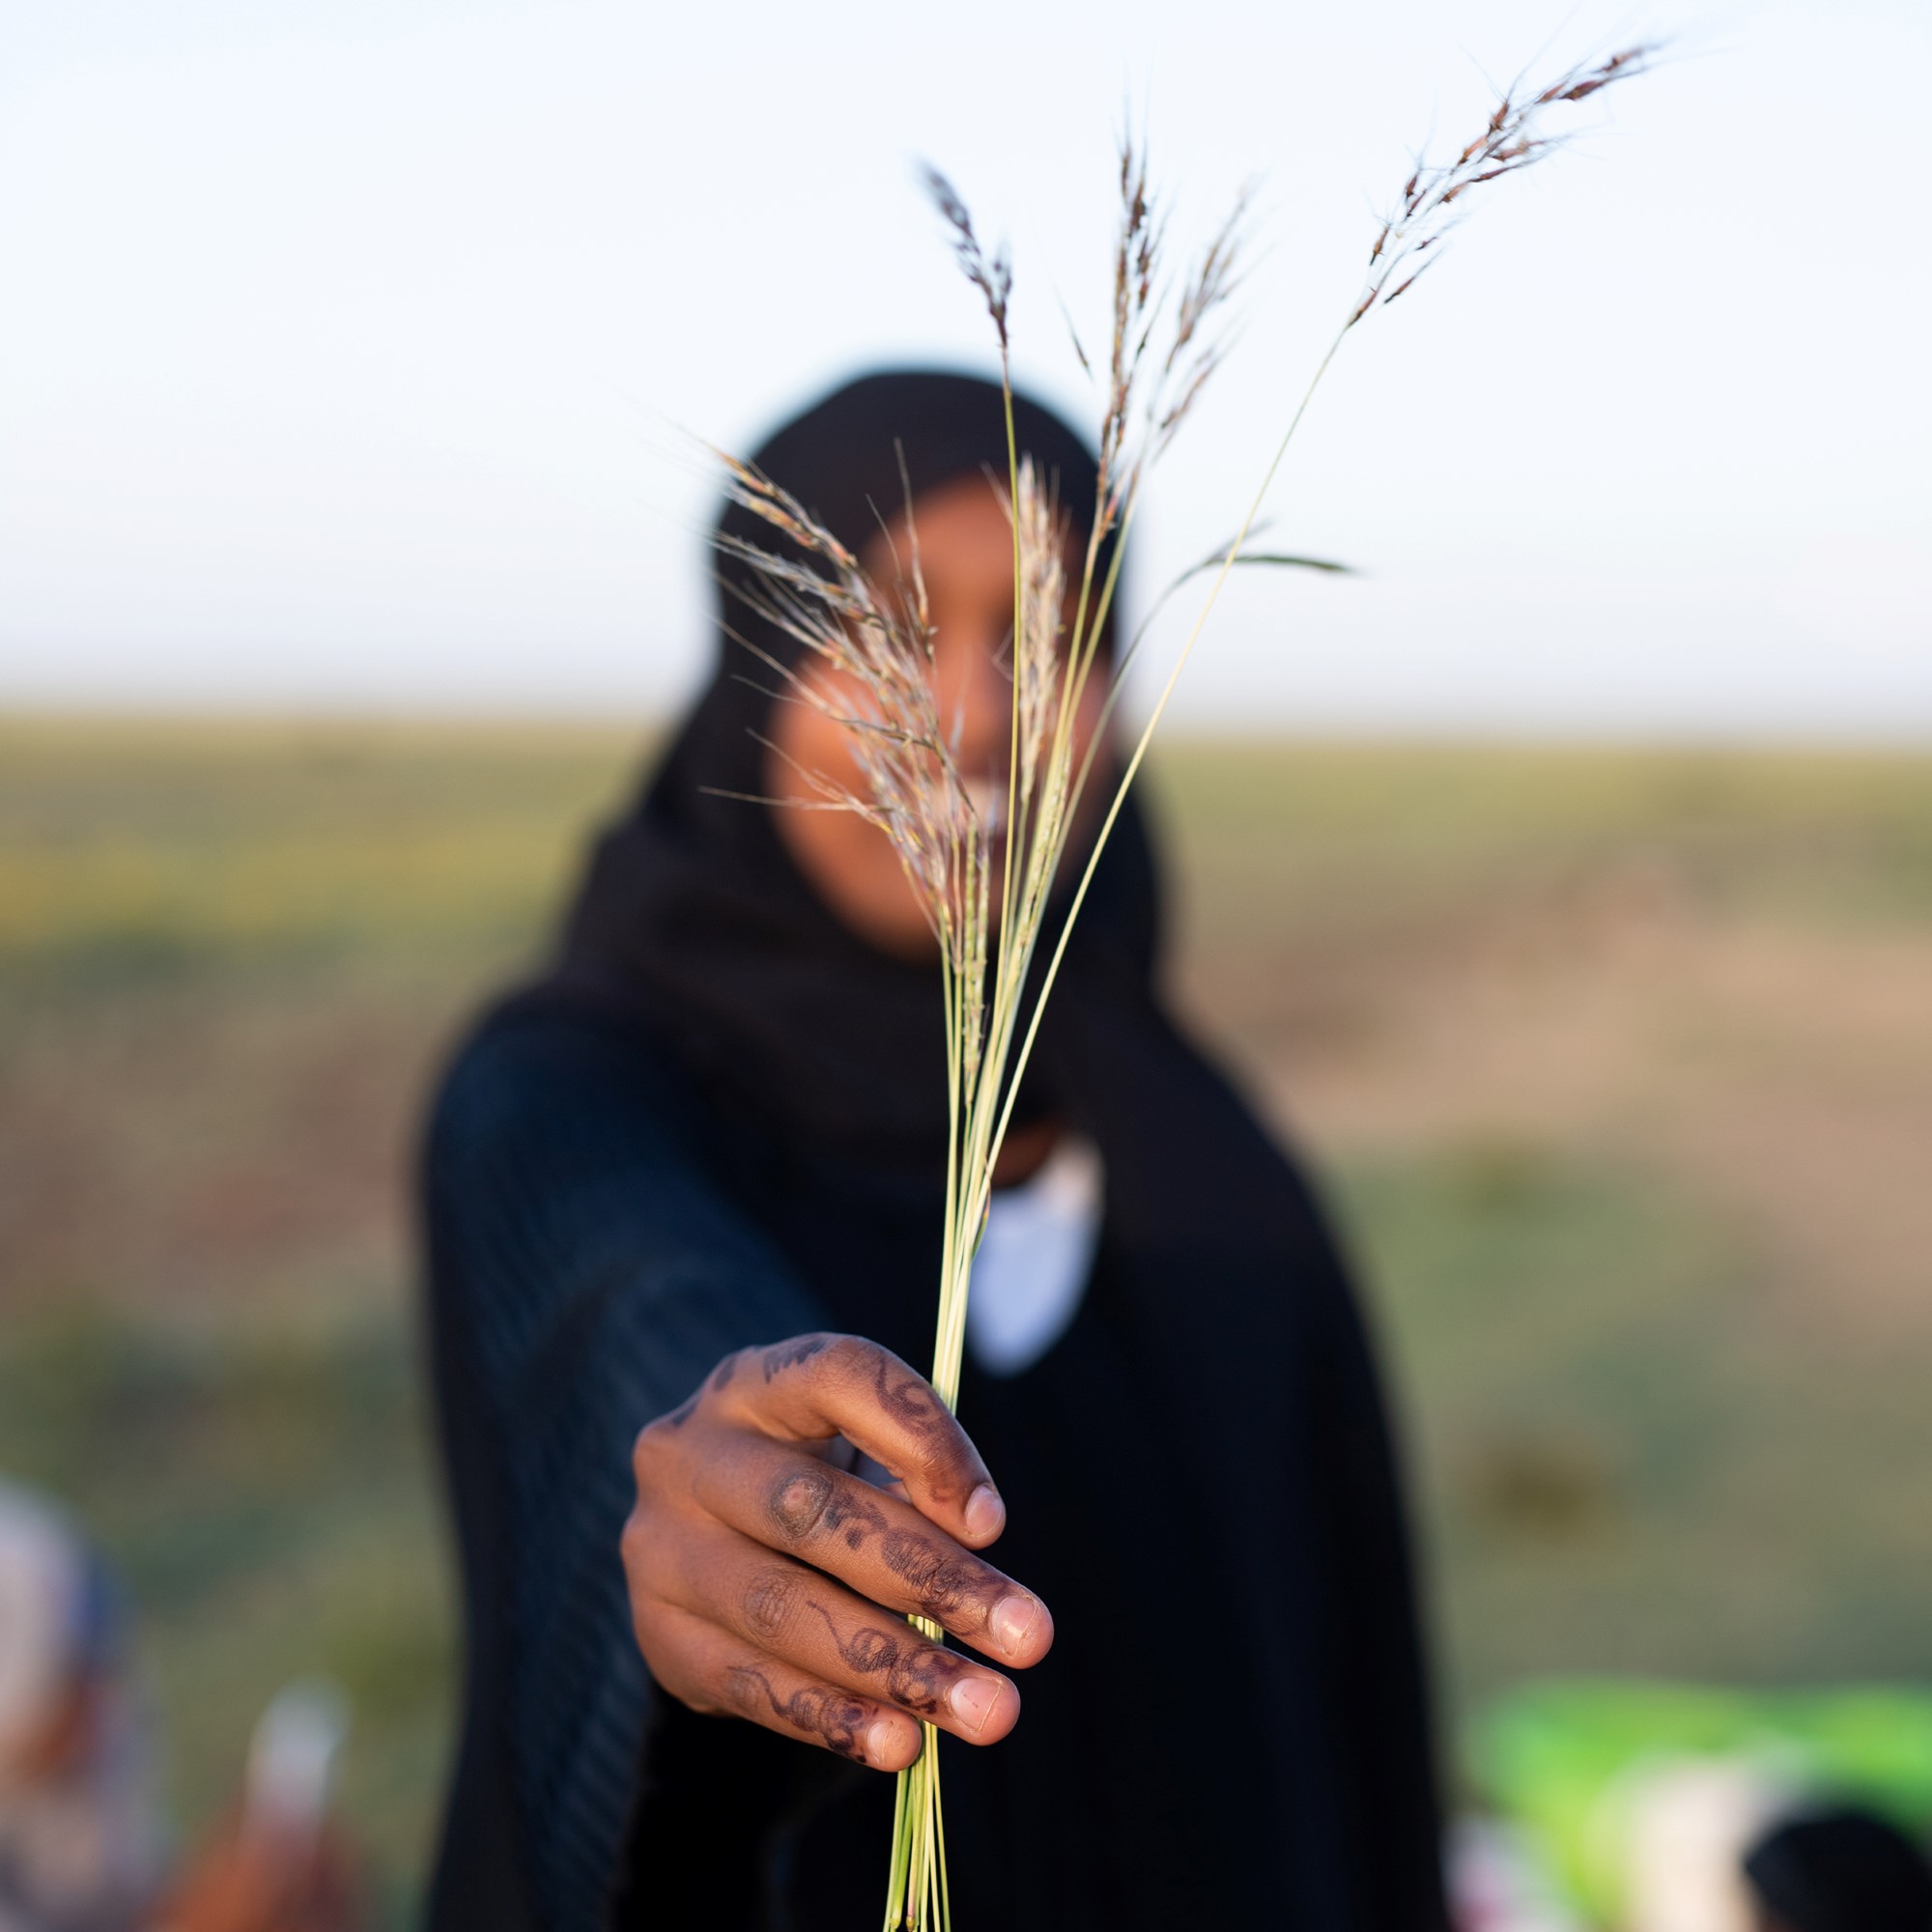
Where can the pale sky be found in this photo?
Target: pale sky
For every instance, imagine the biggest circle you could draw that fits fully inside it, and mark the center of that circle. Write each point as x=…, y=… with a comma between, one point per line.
x=341, y=342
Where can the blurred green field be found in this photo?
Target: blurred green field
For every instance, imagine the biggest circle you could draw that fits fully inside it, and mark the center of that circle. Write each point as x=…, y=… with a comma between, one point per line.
x=1619, y=1064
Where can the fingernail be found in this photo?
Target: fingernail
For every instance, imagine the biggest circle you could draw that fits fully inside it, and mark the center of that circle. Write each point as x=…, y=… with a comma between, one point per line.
x=986, y=1513
x=882, y=1740
x=1012, y=1620
x=971, y=1700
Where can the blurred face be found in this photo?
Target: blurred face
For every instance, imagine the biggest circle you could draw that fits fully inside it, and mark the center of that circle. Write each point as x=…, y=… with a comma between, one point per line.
x=966, y=553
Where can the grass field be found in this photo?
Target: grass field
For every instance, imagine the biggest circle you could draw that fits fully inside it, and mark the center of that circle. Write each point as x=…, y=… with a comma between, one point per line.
x=1618, y=1063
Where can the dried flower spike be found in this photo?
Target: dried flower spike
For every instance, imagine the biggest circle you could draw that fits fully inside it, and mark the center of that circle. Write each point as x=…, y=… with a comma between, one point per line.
x=991, y=274
x=1426, y=209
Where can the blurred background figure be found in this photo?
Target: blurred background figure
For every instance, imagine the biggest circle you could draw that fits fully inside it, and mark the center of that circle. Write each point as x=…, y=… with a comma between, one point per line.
x=1843, y=1870
x=78, y=1849
x=1497, y=1883
x=1632, y=1806
x=276, y=1863
x=80, y=1845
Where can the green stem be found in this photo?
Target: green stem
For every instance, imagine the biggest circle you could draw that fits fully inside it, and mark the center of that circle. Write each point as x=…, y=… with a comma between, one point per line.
x=1147, y=736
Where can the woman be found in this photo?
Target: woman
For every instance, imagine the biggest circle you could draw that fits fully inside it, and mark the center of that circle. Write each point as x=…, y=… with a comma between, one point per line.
x=690, y=1184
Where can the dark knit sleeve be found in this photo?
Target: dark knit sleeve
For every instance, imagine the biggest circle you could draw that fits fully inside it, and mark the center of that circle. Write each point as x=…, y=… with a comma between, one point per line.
x=584, y=1274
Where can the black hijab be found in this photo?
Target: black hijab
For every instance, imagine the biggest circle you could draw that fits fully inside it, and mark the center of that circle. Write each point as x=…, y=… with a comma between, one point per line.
x=693, y=910
x=1201, y=1471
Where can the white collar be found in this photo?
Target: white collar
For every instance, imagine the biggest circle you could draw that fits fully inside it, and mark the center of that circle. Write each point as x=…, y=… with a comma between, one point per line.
x=1030, y=1275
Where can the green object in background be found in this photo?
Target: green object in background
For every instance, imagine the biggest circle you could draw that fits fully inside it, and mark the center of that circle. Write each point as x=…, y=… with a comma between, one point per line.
x=1555, y=1758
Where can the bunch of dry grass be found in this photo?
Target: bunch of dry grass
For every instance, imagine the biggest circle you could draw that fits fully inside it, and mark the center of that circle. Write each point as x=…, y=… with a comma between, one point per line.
x=1168, y=338
x=874, y=656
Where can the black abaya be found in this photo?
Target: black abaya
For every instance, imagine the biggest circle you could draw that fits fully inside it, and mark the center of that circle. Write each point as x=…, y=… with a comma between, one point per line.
x=719, y=1122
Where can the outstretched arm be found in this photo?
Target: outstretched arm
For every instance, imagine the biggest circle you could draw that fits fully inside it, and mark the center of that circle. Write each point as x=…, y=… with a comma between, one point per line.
x=586, y=1277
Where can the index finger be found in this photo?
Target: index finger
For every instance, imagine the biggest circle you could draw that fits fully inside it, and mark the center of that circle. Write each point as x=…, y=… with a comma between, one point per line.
x=888, y=1552
x=818, y=1385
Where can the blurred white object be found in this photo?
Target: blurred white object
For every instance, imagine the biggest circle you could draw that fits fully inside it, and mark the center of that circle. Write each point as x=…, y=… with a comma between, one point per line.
x=42, y=1584
x=1686, y=1825
x=292, y=1766
x=1497, y=1885
x=1030, y=1274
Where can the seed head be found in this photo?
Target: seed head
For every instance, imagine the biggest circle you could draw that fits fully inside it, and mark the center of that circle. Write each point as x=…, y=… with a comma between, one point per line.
x=1426, y=209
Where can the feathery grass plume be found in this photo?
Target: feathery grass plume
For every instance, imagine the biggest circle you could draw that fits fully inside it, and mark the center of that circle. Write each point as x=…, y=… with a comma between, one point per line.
x=870, y=665
x=1042, y=534
x=991, y=274
x=1426, y=211
x=867, y=665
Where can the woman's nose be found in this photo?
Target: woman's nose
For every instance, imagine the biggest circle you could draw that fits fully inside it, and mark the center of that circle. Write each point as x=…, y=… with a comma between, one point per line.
x=976, y=697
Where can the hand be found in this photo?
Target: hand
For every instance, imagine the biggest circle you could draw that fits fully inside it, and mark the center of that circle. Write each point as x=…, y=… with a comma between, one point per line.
x=739, y=1510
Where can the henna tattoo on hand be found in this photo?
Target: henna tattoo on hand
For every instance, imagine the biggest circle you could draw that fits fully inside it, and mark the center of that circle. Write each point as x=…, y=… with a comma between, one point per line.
x=910, y=1402
x=918, y=1675
x=682, y=1414
x=721, y=1379
x=941, y=1579
x=922, y=1678
x=854, y=1518
x=940, y=1583
x=789, y=1354
x=838, y=1721
x=808, y=1499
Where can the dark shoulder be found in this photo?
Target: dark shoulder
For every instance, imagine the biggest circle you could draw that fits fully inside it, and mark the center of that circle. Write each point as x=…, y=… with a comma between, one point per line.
x=561, y=1143
x=525, y=1069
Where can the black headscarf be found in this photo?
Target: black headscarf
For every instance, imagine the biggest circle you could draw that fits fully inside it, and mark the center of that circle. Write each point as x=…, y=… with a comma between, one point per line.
x=1201, y=1471
x=694, y=909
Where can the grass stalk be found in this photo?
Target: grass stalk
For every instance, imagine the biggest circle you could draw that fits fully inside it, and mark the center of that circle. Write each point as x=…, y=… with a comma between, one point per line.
x=882, y=654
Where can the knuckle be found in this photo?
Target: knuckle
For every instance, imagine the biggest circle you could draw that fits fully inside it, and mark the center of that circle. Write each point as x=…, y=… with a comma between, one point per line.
x=742, y=1690
x=675, y=1668
x=634, y=1544
x=943, y=1465
x=770, y=1602
x=655, y=1645
x=847, y=1357
x=797, y=1501
x=939, y=1580
x=921, y=1676
x=653, y=1446
x=696, y=1694
x=649, y=1548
